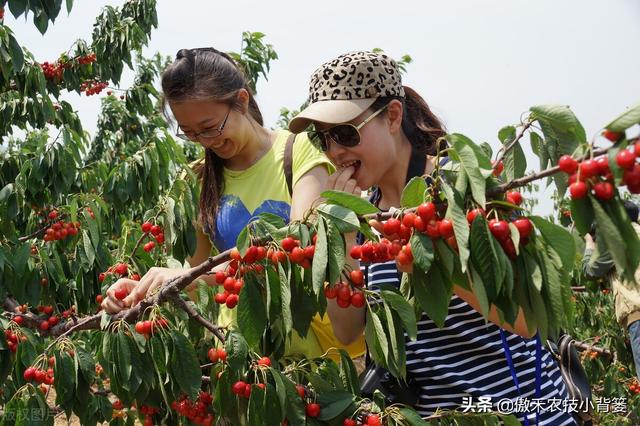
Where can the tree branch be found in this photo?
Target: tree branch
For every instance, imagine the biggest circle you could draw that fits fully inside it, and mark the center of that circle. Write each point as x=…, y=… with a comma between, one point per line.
x=185, y=306
x=506, y=148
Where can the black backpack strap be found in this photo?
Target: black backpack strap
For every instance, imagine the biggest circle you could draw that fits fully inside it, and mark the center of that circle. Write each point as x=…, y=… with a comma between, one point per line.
x=287, y=163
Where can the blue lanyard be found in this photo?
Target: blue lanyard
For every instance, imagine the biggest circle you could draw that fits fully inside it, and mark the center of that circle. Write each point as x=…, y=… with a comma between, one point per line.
x=507, y=352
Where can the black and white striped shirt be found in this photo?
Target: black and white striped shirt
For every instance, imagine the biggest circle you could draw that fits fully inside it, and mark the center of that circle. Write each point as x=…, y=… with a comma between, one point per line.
x=466, y=359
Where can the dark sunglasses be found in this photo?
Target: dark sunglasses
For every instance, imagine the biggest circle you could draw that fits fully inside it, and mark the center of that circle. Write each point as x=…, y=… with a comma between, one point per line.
x=347, y=135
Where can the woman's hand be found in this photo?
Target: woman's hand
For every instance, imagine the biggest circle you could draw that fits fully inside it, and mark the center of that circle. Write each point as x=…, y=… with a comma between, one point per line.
x=342, y=180
x=137, y=290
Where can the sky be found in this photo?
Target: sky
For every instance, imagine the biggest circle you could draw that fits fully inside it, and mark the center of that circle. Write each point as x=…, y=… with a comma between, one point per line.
x=479, y=64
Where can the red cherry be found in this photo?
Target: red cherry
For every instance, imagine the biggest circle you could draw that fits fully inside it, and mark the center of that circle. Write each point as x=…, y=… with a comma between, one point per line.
x=102, y=276
x=44, y=325
x=288, y=243
x=155, y=229
x=348, y=422
x=433, y=229
x=135, y=277
x=220, y=277
x=611, y=135
x=568, y=164
x=213, y=355
x=343, y=292
x=355, y=252
x=524, y=226
x=419, y=224
x=310, y=251
x=238, y=387
x=603, y=165
x=301, y=390
x=426, y=211
x=232, y=301
x=265, y=361
x=589, y=168
x=149, y=246
x=497, y=168
x=222, y=354
x=312, y=410
x=373, y=420
x=146, y=227
x=391, y=226
x=121, y=268
x=160, y=238
x=357, y=277
x=357, y=299
x=330, y=292
x=408, y=219
x=632, y=177
x=18, y=319
x=625, y=159
x=603, y=191
x=29, y=374
x=471, y=215
x=53, y=215
x=514, y=197
x=445, y=228
x=499, y=229
x=578, y=190
x=48, y=309
x=121, y=293
x=140, y=327
x=99, y=299
x=297, y=255
x=509, y=247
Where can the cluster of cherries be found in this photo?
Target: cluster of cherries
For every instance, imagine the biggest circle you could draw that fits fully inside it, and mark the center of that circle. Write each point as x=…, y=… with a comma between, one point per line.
x=364, y=419
x=148, y=412
x=55, y=70
x=60, y=230
x=40, y=376
x=634, y=387
x=93, y=87
x=156, y=231
x=595, y=174
x=147, y=328
x=87, y=59
x=232, y=287
x=197, y=412
x=217, y=355
x=51, y=321
x=348, y=294
x=311, y=408
x=14, y=339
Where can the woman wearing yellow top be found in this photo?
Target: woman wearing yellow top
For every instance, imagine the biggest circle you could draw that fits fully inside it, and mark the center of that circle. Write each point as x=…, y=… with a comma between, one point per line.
x=243, y=175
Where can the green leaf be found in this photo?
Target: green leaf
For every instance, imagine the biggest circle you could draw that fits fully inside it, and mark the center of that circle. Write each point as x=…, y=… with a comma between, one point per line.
x=320, y=258
x=348, y=373
x=243, y=241
x=17, y=56
x=333, y=404
x=413, y=192
x=376, y=338
x=433, y=292
x=515, y=162
x=123, y=356
x=345, y=219
x=582, y=214
x=404, y=310
x=412, y=417
x=358, y=204
x=88, y=248
x=294, y=404
x=237, y=350
x=484, y=257
x=252, y=315
x=456, y=213
x=256, y=414
x=336, y=252
x=422, y=250
x=538, y=148
x=562, y=118
x=625, y=120
x=185, y=366
x=559, y=238
x=475, y=163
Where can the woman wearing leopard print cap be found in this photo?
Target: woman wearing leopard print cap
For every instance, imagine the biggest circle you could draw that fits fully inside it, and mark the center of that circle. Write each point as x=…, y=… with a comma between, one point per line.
x=380, y=134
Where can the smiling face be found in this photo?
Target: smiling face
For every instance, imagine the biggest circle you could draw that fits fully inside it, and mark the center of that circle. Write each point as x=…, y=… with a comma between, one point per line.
x=378, y=150
x=197, y=117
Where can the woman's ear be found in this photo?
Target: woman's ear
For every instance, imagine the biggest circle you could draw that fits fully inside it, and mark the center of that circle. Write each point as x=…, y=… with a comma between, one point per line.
x=394, y=115
x=243, y=100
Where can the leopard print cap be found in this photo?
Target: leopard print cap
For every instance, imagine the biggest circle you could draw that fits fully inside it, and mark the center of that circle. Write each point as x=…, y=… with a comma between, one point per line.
x=356, y=75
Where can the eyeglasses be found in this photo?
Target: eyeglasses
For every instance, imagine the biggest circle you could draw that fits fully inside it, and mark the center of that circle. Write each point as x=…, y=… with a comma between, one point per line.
x=347, y=134
x=207, y=134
